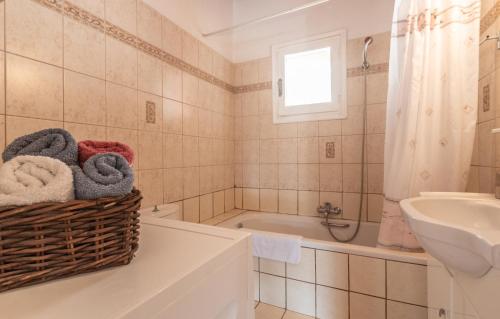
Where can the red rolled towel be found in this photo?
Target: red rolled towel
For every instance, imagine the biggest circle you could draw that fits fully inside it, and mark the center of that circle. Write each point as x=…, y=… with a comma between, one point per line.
x=87, y=149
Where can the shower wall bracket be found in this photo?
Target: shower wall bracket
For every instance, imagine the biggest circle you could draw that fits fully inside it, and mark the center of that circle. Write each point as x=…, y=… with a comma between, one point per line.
x=489, y=38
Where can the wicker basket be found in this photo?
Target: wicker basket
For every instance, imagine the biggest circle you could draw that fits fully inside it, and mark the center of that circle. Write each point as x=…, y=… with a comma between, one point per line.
x=47, y=241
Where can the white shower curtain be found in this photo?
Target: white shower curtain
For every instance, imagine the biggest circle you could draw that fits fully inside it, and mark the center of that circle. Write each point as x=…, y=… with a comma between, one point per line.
x=431, y=108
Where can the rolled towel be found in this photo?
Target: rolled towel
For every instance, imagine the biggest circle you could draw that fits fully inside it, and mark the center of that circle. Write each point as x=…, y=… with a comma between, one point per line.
x=26, y=180
x=103, y=175
x=53, y=142
x=87, y=149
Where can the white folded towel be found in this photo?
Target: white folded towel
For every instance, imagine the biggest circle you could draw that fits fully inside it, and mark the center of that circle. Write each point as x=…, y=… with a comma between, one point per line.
x=280, y=247
x=26, y=180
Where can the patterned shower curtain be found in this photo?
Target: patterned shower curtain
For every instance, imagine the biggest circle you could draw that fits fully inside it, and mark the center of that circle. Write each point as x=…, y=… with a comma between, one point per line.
x=431, y=108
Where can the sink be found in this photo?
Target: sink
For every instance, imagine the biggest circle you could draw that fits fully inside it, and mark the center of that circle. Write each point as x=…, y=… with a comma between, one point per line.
x=462, y=230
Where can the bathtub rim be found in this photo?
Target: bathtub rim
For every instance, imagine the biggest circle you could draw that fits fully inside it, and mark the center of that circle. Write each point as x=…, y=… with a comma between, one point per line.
x=346, y=248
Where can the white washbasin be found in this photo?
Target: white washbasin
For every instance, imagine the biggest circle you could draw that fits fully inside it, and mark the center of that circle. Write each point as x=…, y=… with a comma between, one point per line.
x=459, y=229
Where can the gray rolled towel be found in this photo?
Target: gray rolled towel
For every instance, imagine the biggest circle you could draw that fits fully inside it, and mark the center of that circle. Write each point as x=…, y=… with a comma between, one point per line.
x=53, y=142
x=103, y=175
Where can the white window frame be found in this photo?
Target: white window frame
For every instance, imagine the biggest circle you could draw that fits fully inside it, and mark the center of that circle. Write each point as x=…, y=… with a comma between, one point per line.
x=337, y=108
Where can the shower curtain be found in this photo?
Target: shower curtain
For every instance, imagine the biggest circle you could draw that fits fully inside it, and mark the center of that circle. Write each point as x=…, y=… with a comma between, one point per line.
x=431, y=106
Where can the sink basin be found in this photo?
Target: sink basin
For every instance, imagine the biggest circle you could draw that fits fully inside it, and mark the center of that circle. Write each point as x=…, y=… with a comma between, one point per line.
x=461, y=230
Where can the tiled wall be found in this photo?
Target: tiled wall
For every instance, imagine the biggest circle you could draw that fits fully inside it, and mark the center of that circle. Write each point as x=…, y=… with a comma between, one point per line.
x=486, y=156
x=284, y=167
x=92, y=69
x=332, y=285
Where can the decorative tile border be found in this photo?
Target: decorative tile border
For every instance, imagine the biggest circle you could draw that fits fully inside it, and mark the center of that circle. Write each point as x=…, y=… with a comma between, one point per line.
x=490, y=17
x=122, y=35
x=85, y=17
x=351, y=72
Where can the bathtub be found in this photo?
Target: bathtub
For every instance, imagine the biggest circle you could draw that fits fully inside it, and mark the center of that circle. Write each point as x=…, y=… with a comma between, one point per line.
x=351, y=276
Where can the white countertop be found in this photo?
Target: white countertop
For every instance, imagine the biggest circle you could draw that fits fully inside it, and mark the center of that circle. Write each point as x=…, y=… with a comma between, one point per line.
x=169, y=252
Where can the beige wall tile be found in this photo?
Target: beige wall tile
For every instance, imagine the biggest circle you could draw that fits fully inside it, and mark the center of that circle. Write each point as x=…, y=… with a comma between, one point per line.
x=268, y=312
x=375, y=207
x=34, y=89
x=351, y=148
x=353, y=124
x=351, y=178
x=172, y=82
x=151, y=187
x=398, y=310
x=300, y=297
x=172, y=116
x=375, y=178
x=375, y=148
x=272, y=290
x=250, y=127
x=192, y=210
x=407, y=283
x=269, y=200
x=250, y=175
x=330, y=177
x=84, y=99
x=362, y=307
x=2, y=77
x=350, y=206
x=121, y=62
x=367, y=275
x=377, y=88
x=173, y=184
x=171, y=38
x=238, y=198
x=149, y=74
x=287, y=201
x=206, y=207
x=332, y=269
x=155, y=102
x=288, y=150
x=205, y=123
x=129, y=137
x=121, y=106
x=305, y=270
x=308, y=129
x=308, y=177
x=332, y=303
x=2, y=133
x=206, y=151
x=308, y=150
x=18, y=126
x=122, y=13
x=190, y=151
x=149, y=24
x=84, y=48
x=83, y=132
x=268, y=130
x=189, y=49
x=218, y=202
x=330, y=128
x=269, y=176
x=375, y=118
x=287, y=176
x=34, y=31
x=172, y=151
x=251, y=198
x=272, y=267
x=191, y=181
x=150, y=150
x=229, y=199
x=308, y=203
x=189, y=120
x=205, y=58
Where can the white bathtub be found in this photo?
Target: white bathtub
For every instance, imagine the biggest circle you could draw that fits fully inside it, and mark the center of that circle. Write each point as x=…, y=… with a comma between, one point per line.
x=351, y=275
x=317, y=236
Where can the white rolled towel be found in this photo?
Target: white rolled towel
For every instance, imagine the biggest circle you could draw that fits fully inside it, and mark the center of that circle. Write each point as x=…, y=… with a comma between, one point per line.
x=26, y=180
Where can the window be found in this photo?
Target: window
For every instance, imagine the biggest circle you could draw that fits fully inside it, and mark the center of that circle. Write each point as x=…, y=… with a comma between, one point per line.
x=309, y=79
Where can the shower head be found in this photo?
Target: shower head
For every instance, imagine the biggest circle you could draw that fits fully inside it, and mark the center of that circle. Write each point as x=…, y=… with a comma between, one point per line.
x=368, y=41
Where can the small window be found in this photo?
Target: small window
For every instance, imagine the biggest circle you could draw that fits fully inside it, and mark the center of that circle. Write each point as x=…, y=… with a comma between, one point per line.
x=309, y=79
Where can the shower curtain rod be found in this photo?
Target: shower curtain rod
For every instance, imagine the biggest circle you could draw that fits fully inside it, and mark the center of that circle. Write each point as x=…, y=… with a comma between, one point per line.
x=258, y=20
